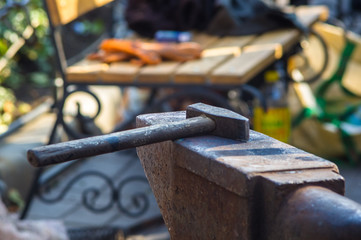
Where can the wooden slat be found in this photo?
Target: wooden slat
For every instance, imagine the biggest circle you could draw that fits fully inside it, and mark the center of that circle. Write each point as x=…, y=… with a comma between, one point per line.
x=85, y=71
x=280, y=40
x=161, y=73
x=240, y=69
x=120, y=73
x=198, y=71
x=256, y=56
x=65, y=11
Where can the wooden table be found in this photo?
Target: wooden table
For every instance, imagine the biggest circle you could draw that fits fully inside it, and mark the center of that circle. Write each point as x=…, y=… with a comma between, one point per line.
x=225, y=60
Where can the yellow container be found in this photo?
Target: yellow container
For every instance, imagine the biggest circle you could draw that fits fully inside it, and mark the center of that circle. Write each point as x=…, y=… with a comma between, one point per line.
x=276, y=121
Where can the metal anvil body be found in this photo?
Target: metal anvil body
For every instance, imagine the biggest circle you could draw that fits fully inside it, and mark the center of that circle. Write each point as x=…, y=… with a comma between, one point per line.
x=209, y=187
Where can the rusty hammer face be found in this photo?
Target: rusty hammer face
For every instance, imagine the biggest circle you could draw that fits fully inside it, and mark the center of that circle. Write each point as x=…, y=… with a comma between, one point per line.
x=201, y=119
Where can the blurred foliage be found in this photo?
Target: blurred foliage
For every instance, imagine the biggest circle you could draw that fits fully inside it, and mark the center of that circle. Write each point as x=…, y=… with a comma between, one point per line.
x=10, y=108
x=31, y=63
x=7, y=106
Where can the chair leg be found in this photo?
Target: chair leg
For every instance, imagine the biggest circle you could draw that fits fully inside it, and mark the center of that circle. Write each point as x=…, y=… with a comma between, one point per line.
x=33, y=190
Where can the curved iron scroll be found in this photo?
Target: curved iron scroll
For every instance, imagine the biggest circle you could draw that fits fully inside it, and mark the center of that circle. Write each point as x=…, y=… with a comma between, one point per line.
x=138, y=202
x=71, y=132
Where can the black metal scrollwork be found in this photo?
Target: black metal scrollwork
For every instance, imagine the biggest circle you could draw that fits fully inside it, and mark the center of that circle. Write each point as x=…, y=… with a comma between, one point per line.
x=69, y=130
x=132, y=205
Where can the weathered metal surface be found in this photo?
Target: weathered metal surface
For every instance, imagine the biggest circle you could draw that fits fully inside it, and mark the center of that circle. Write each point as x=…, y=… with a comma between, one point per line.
x=231, y=164
x=273, y=188
x=229, y=124
x=215, y=188
x=201, y=119
x=159, y=166
x=317, y=213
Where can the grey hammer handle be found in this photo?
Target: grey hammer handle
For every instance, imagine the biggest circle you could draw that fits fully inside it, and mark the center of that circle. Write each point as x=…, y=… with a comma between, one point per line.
x=92, y=146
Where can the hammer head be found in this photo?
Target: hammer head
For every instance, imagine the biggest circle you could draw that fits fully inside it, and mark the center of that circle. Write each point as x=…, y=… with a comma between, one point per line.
x=228, y=123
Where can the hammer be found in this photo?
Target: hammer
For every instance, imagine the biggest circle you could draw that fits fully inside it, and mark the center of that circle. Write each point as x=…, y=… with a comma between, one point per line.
x=200, y=119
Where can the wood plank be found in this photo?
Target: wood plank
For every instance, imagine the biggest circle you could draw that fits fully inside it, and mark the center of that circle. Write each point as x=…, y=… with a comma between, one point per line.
x=256, y=56
x=280, y=40
x=65, y=11
x=160, y=73
x=198, y=71
x=85, y=71
x=239, y=70
x=121, y=72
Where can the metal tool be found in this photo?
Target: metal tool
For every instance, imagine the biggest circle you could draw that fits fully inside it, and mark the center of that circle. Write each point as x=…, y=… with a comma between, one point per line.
x=201, y=119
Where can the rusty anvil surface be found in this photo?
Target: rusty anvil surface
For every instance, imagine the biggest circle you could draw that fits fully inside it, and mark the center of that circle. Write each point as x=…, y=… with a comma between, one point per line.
x=209, y=187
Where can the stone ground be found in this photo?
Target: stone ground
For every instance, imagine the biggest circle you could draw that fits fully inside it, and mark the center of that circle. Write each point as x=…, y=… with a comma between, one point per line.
x=118, y=166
